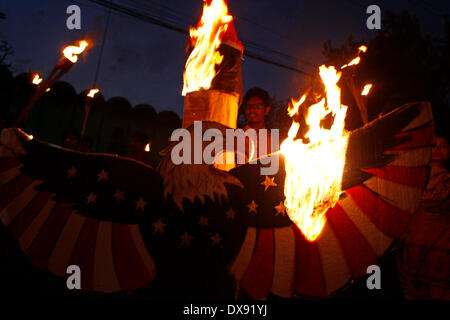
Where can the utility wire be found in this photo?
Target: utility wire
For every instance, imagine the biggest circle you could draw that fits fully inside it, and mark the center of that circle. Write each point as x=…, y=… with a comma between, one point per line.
x=180, y=16
x=262, y=59
x=247, y=43
x=101, y=48
x=164, y=24
x=140, y=16
x=158, y=11
x=261, y=48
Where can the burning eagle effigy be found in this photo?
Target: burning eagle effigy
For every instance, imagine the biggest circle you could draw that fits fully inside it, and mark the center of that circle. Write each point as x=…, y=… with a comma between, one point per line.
x=338, y=202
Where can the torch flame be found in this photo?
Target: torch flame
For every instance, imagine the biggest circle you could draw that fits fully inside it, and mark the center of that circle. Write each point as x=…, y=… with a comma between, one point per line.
x=314, y=170
x=200, y=66
x=92, y=92
x=37, y=79
x=366, y=89
x=357, y=59
x=351, y=63
x=72, y=52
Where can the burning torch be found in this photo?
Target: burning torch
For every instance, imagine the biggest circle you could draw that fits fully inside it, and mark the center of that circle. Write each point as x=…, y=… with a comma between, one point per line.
x=212, y=80
x=87, y=109
x=354, y=88
x=37, y=80
x=69, y=58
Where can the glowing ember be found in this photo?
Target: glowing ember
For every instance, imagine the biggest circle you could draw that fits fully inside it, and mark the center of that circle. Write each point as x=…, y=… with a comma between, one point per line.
x=72, y=52
x=366, y=89
x=362, y=49
x=37, y=79
x=147, y=147
x=200, y=66
x=92, y=92
x=314, y=170
x=47, y=90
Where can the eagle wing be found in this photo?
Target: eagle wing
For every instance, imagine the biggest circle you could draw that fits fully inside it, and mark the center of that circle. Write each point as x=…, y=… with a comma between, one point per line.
x=385, y=173
x=69, y=208
x=63, y=207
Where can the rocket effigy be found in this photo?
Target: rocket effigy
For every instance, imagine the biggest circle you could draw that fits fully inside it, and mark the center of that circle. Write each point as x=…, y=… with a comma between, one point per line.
x=220, y=102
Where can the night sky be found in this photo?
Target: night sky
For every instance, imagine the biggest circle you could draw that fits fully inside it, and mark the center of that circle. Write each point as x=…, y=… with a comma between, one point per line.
x=144, y=62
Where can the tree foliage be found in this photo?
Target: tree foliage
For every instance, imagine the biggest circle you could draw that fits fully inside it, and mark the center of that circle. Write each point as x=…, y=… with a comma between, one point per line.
x=403, y=64
x=5, y=48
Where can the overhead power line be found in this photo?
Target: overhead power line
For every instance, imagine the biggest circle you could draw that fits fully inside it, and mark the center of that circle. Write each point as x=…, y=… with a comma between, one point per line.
x=152, y=7
x=156, y=21
x=262, y=59
x=105, y=32
x=139, y=15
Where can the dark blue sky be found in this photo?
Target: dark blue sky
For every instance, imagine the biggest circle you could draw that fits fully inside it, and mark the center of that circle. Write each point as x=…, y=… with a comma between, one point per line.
x=145, y=62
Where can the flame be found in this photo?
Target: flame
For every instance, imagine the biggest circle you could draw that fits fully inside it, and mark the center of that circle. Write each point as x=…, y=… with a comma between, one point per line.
x=351, y=63
x=37, y=79
x=366, y=89
x=72, y=52
x=314, y=169
x=295, y=104
x=92, y=92
x=200, y=66
x=362, y=49
x=47, y=90
x=147, y=147
x=357, y=59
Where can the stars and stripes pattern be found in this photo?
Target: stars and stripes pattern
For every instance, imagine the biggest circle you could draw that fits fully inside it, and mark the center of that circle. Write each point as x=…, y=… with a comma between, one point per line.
x=275, y=258
x=66, y=208
x=108, y=215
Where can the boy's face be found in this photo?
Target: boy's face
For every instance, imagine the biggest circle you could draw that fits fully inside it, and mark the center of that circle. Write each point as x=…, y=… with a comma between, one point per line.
x=255, y=110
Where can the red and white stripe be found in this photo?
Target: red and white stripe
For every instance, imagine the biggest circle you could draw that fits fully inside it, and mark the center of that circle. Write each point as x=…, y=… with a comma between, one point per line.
x=112, y=257
x=359, y=229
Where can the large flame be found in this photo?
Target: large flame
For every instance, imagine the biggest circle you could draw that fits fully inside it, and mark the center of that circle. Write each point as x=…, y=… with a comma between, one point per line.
x=200, y=66
x=72, y=52
x=314, y=169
